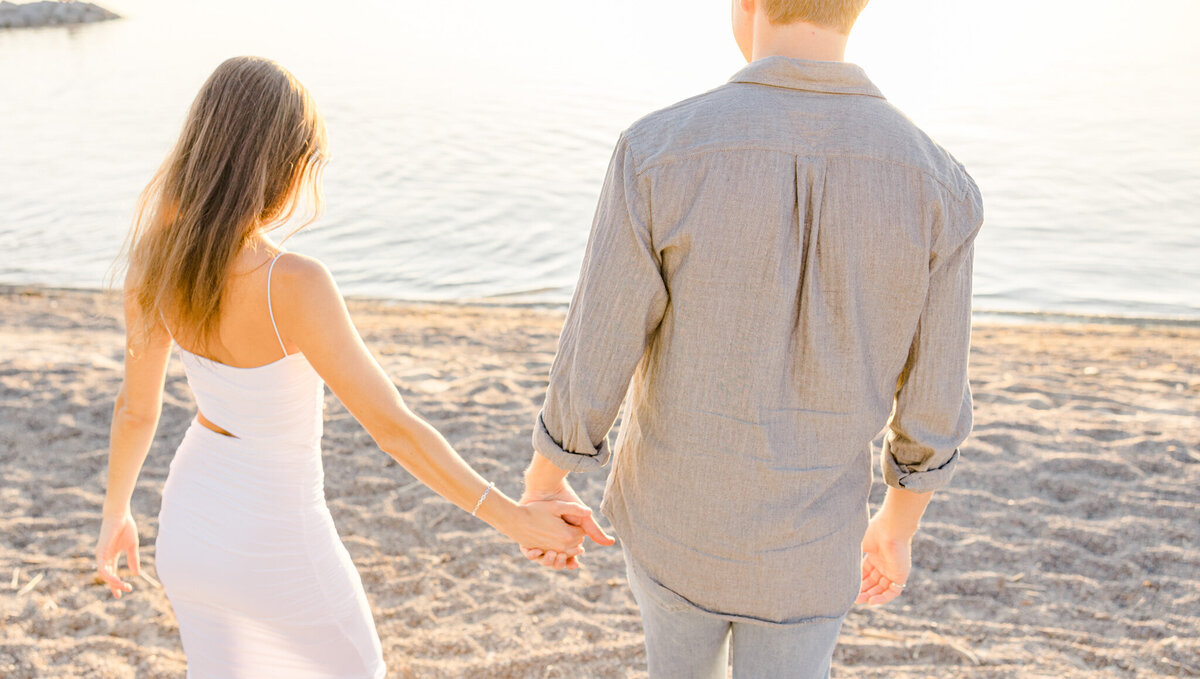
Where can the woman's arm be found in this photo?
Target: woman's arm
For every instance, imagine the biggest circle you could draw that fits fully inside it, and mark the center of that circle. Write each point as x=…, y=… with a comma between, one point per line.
x=311, y=313
x=135, y=419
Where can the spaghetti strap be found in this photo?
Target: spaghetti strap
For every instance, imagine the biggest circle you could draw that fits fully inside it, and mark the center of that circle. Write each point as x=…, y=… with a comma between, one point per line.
x=165, y=326
x=269, y=309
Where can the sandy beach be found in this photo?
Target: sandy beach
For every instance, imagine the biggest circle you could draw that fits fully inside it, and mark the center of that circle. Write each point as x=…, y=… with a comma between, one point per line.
x=1067, y=546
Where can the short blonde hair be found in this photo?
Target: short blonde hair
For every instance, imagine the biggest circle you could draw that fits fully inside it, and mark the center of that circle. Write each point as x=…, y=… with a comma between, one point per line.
x=839, y=15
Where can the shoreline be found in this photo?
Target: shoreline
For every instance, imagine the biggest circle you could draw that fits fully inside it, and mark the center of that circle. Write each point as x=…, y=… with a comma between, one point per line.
x=509, y=301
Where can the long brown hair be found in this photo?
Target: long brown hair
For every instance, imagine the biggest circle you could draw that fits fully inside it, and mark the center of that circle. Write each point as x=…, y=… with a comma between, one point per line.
x=252, y=149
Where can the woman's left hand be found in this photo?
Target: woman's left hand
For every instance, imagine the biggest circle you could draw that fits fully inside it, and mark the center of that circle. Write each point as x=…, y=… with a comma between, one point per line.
x=118, y=535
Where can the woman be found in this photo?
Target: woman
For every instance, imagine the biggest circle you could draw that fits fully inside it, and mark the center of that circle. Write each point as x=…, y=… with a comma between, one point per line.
x=247, y=552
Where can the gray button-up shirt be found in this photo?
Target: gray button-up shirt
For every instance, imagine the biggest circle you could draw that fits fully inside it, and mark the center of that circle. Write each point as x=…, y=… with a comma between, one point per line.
x=782, y=265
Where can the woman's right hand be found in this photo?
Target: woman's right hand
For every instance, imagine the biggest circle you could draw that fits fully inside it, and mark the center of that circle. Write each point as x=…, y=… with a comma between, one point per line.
x=560, y=490
x=551, y=525
x=118, y=535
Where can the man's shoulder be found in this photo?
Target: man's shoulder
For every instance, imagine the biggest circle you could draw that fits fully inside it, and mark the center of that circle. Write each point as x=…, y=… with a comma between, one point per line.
x=945, y=172
x=923, y=153
x=738, y=115
x=695, y=120
x=666, y=117
x=874, y=128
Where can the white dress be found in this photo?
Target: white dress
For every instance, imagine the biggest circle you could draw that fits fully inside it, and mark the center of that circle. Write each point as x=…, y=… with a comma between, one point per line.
x=247, y=551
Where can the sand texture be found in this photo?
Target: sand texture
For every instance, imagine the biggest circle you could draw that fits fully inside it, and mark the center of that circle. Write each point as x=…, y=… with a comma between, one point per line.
x=1067, y=546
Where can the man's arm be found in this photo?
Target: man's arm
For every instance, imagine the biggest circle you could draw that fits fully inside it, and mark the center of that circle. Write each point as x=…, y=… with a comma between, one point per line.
x=931, y=416
x=618, y=304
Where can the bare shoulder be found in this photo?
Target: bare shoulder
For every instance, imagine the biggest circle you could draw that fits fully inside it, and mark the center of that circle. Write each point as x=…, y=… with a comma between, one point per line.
x=310, y=312
x=294, y=270
x=296, y=266
x=300, y=281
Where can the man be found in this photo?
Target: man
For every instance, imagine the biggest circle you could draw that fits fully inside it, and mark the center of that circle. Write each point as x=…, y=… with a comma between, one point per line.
x=783, y=267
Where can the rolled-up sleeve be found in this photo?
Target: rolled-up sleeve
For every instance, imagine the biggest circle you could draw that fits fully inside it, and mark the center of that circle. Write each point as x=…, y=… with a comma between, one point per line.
x=931, y=415
x=618, y=305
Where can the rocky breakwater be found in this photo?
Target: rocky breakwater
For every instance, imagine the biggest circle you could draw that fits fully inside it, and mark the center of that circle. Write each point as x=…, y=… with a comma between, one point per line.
x=51, y=13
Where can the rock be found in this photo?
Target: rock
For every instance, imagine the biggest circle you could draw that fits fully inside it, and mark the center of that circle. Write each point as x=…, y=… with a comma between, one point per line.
x=50, y=12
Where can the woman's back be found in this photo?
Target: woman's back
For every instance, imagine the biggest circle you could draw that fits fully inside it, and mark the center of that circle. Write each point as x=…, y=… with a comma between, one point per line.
x=245, y=335
x=246, y=383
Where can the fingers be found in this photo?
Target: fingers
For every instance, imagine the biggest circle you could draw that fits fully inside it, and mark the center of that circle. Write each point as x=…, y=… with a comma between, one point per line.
x=562, y=547
x=115, y=584
x=596, y=533
x=134, y=560
x=866, y=593
x=883, y=598
x=876, y=588
x=580, y=515
x=571, y=512
x=569, y=542
x=534, y=553
x=107, y=570
x=552, y=559
x=872, y=580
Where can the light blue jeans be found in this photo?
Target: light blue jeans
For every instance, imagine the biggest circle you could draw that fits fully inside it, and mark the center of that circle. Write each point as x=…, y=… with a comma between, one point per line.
x=684, y=642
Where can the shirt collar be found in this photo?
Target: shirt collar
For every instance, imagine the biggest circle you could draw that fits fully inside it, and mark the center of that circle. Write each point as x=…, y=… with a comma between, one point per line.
x=832, y=77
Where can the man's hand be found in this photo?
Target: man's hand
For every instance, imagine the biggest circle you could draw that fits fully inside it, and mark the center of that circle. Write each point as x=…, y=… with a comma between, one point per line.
x=885, y=566
x=887, y=545
x=543, y=482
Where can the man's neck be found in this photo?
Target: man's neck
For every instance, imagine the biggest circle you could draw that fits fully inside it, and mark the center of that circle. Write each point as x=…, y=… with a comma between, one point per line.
x=799, y=40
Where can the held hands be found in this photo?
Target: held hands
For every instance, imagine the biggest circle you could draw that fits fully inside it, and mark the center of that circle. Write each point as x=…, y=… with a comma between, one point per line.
x=563, y=494
x=552, y=524
x=118, y=534
x=887, y=560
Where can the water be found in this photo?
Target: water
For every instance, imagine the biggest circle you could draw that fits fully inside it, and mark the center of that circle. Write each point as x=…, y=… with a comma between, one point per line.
x=470, y=139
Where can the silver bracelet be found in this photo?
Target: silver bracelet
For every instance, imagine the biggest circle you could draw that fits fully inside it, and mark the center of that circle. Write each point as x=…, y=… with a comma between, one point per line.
x=481, y=497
